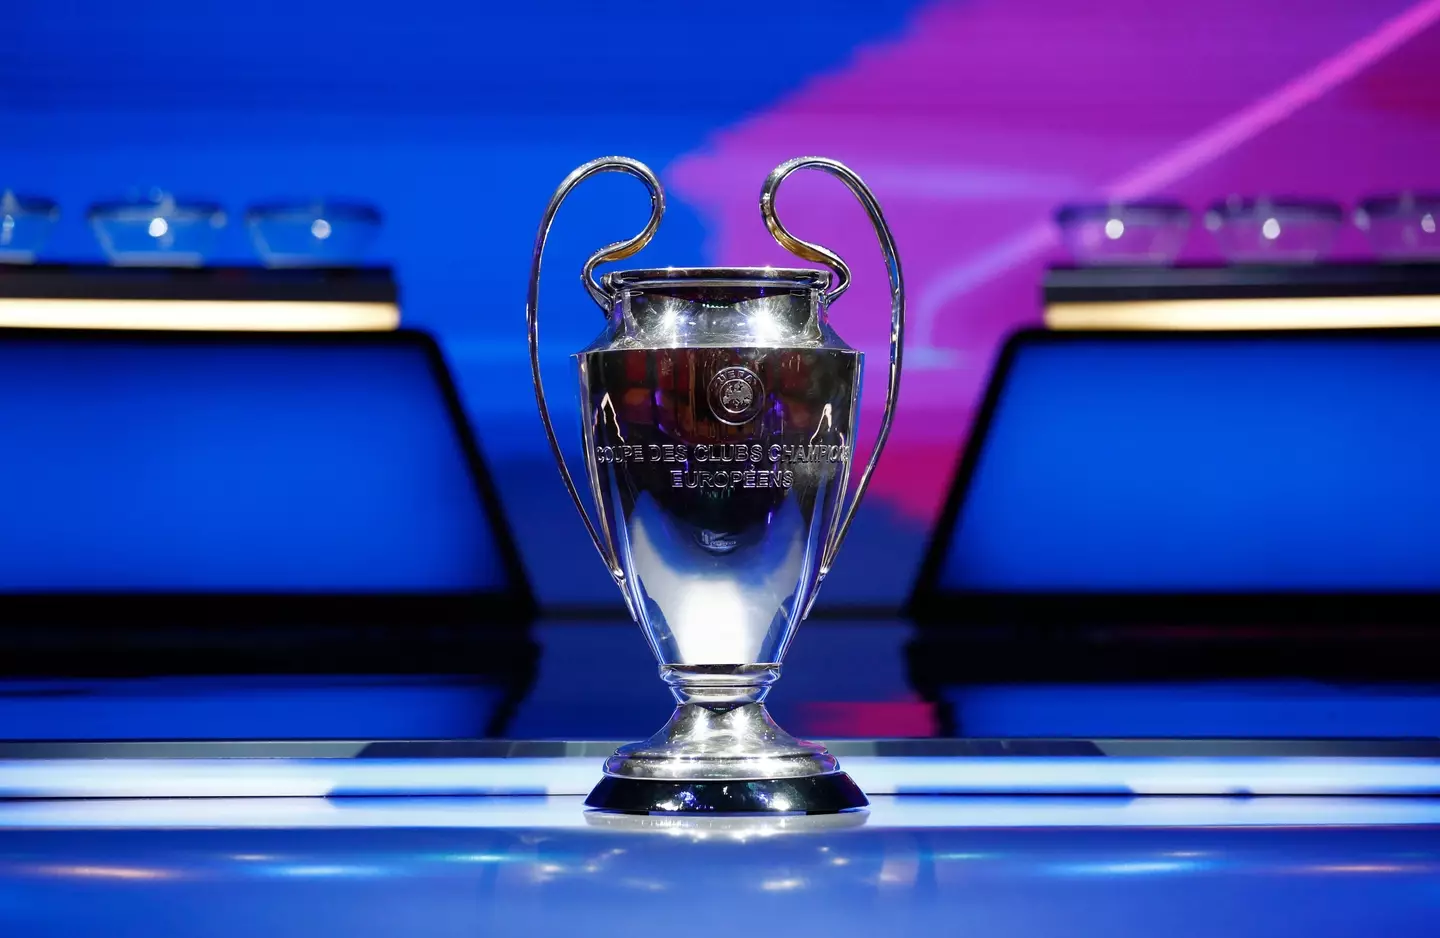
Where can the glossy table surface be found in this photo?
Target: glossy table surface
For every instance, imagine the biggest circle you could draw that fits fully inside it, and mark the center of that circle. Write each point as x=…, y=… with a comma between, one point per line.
x=294, y=862
x=911, y=865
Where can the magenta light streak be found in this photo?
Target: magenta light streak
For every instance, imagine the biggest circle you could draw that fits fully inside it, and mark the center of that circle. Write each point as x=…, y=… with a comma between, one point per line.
x=1197, y=151
x=1270, y=110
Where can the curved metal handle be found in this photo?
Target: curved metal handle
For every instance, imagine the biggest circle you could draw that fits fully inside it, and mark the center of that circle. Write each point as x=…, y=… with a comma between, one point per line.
x=814, y=252
x=619, y=250
x=612, y=252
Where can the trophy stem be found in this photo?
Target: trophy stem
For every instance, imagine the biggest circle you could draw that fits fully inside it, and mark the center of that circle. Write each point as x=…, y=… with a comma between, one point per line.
x=720, y=686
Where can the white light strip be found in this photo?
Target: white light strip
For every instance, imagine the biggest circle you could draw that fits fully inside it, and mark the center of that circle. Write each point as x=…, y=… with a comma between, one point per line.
x=202, y=315
x=308, y=778
x=299, y=778
x=1273, y=313
x=1139, y=776
x=559, y=813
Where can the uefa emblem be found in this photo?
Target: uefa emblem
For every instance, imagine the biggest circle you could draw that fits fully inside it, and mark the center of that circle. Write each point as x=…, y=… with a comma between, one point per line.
x=717, y=542
x=736, y=395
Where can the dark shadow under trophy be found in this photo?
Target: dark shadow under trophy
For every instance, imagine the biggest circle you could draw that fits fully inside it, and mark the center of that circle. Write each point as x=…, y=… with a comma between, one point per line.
x=719, y=411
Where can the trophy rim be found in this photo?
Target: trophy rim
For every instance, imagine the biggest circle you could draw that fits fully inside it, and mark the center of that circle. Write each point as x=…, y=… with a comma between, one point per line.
x=801, y=277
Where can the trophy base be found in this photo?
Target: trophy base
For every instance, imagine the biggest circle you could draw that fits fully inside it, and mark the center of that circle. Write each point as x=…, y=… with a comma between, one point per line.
x=731, y=759
x=810, y=794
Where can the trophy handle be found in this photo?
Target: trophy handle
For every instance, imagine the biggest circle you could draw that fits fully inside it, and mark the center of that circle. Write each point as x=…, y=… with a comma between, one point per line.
x=814, y=252
x=611, y=252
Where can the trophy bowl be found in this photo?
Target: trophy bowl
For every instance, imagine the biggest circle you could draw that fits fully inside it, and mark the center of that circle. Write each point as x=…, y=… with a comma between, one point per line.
x=312, y=234
x=157, y=230
x=25, y=224
x=1274, y=231
x=1124, y=233
x=1402, y=227
x=718, y=417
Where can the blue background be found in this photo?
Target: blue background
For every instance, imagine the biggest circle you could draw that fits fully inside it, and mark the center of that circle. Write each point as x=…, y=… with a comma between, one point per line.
x=1208, y=464
x=971, y=121
x=458, y=120
x=257, y=465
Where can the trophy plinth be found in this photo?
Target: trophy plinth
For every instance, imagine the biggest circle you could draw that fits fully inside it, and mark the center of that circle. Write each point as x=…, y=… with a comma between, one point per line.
x=719, y=410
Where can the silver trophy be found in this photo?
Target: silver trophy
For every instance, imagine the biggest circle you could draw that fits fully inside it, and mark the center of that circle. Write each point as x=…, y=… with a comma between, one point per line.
x=718, y=410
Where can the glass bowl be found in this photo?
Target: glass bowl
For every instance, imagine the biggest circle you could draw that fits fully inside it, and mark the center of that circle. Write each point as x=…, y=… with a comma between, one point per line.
x=157, y=231
x=1402, y=227
x=1274, y=231
x=313, y=234
x=25, y=224
x=1124, y=232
